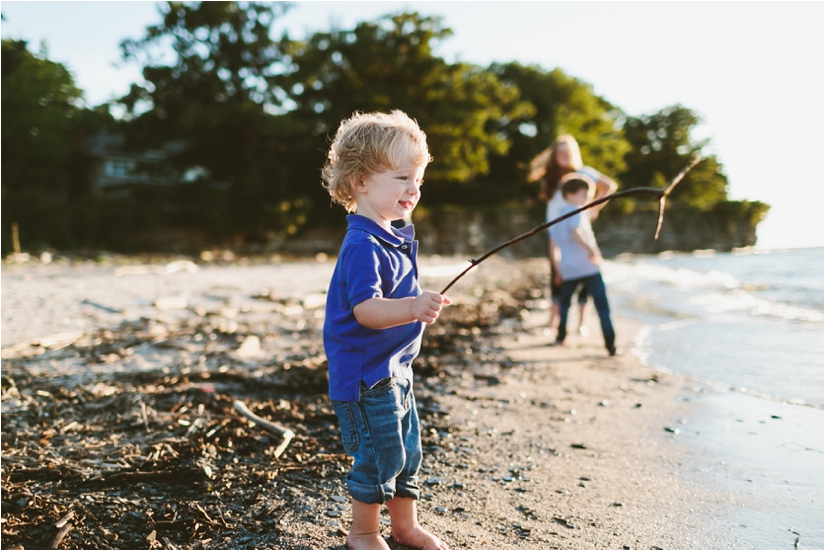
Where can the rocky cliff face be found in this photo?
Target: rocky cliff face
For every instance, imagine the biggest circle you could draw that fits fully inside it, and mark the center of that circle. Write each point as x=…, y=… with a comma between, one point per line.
x=463, y=232
x=467, y=232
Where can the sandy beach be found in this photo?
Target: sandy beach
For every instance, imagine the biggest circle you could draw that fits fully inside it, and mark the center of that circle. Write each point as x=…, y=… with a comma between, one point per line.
x=526, y=446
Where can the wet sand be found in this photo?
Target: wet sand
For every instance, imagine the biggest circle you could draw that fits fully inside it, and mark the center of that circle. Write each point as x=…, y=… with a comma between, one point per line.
x=547, y=447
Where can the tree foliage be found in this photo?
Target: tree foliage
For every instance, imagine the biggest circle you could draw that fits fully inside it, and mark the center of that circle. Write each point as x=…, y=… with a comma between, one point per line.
x=389, y=64
x=661, y=145
x=257, y=111
x=213, y=93
x=221, y=53
x=40, y=109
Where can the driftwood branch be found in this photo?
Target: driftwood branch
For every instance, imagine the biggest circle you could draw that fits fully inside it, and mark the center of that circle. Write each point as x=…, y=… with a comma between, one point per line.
x=661, y=193
x=275, y=428
x=64, y=530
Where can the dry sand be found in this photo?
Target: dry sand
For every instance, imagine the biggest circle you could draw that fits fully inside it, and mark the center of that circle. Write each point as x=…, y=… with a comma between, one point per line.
x=565, y=448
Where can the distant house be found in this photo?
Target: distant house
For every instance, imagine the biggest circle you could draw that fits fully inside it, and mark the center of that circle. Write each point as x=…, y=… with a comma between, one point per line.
x=113, y=171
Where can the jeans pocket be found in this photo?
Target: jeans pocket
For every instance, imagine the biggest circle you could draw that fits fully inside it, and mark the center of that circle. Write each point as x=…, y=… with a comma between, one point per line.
x=349, y=434
x=378, y=387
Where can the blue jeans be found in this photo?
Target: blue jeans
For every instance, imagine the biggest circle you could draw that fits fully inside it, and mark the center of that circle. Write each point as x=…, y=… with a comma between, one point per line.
x=381, y=432
x=595, y=287
x=555, y=290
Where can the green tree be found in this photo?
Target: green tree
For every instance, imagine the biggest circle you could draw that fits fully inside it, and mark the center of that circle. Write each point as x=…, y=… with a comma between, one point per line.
x=222, y=53
x=662, y=146
x=40, y=107
x=214, y=92
x=389, y=64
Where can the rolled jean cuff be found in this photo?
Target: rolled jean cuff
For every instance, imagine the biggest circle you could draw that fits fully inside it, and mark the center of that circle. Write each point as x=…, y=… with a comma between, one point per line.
x=381, y=493
x=407, y=487
x=371, y=493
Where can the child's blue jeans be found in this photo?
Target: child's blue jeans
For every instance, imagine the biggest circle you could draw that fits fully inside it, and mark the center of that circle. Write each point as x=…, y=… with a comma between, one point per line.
x=381, y=432
x=595, y=286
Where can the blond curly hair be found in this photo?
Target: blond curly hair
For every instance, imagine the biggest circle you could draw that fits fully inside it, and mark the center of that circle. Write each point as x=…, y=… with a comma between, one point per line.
x=368, y=143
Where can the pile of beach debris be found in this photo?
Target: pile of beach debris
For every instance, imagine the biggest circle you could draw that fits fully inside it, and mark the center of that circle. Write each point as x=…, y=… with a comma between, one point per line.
x=211, y=431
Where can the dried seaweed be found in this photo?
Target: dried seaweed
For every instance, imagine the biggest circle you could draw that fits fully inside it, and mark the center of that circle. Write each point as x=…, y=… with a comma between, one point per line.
x=129, y=437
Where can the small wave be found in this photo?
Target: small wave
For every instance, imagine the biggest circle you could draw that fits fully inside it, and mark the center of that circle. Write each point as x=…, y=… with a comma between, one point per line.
x=742, y=301
x=680, y=277
x=714, y=291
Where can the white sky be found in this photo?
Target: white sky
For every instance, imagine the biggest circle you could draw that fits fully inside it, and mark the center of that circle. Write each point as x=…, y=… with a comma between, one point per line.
x=754, y=71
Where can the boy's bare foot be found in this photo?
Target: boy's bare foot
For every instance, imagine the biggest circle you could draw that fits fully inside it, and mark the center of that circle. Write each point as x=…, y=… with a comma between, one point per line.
x=418, y=537
x=365, y=532
x=372, y=540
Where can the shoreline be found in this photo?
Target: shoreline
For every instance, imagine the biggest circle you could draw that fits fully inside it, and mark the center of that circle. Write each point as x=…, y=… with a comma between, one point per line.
x=595, y=470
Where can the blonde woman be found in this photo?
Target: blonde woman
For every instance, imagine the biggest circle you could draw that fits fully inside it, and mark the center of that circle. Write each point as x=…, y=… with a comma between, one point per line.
x=559, y=162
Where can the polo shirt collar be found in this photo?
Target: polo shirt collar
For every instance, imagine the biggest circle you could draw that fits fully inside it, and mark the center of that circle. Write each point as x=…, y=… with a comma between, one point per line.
x=396, y=238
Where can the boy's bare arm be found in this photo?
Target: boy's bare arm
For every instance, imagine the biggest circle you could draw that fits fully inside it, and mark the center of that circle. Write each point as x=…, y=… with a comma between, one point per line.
x=383, y=313
x=593, y=252
x=554, y=260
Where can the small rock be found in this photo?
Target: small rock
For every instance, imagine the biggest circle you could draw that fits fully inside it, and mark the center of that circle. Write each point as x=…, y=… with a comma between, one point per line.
x=579, y=446
x=618, y=504
x=673, y=430
x=564, y=522
x=333, y=513
x=434, y=481
x=440, y=510
x=250, y=348
x=171, y=303
x=338, y=499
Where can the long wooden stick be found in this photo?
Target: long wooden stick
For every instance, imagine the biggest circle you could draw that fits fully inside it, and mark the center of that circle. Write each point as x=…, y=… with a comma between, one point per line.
x=661, y=193
x=285, y=433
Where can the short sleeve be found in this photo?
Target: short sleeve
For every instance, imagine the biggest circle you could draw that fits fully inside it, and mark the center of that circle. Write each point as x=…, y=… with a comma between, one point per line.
x=362, y=272
x=590, y=172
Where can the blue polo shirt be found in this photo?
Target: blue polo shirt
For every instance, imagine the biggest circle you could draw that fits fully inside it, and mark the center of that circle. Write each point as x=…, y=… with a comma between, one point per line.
x=373, y=262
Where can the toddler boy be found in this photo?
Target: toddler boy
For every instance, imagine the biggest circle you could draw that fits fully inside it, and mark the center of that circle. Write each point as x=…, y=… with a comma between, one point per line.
x=579, y=263
x=375, y=316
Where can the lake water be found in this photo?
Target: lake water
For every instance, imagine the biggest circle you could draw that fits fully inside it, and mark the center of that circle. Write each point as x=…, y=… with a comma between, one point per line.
x=751, y=320
x=747, y=327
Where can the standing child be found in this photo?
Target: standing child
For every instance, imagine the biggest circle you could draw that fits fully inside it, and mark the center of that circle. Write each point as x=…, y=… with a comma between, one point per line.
x=561, y=160
x=579, y=262
x=375, y=317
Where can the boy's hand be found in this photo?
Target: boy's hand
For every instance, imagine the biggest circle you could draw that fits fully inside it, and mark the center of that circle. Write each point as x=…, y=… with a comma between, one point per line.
x=596, y=256
x=427, y=306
